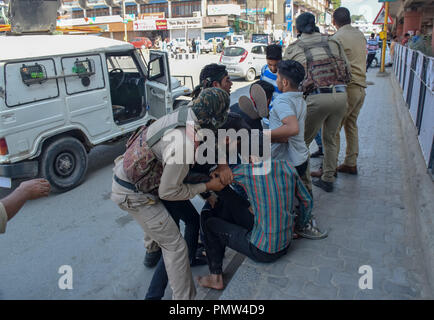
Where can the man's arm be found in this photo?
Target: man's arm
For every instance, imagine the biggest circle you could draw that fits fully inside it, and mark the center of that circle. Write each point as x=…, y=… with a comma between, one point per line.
x=28, y=190
x=288, y=129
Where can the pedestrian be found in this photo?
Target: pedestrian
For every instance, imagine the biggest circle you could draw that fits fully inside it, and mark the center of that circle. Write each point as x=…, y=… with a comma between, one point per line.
x=27, y=190
x=154, y=168
x=214, y=46
x=193, y=45
x=198, y=46
x=213, y=75
x=392, y=47
x=371, y=47
x=287, y=118
x=354, y=43
x=327, y=73
x=417, y=42
x=405, y=40
x=265, y=228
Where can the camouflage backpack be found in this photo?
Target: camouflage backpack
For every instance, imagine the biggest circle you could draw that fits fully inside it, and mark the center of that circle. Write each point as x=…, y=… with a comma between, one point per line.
x=326, y=72
x=141, y=166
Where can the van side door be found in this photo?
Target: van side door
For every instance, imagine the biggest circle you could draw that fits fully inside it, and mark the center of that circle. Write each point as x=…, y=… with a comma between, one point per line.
x=158, y=85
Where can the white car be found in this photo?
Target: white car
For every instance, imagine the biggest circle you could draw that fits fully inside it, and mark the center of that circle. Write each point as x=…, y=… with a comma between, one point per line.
x=206, y=46
x=244, y=61
x=377, y=60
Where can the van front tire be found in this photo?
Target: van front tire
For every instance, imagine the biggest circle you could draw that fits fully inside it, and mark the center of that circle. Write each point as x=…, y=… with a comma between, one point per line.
x=64, y=163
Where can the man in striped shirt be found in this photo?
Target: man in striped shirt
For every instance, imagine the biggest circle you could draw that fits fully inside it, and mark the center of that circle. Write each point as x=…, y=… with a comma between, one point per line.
x=262, y=231
x=269, y=71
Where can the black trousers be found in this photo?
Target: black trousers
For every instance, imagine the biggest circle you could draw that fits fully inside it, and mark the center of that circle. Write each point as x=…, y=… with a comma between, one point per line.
x=369, y=60
x=229, y=224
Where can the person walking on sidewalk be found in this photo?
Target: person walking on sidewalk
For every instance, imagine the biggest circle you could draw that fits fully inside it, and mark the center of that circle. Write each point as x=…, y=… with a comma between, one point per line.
x=353, y=41
x=327, y=73
x=154, y=168
x=372, y=47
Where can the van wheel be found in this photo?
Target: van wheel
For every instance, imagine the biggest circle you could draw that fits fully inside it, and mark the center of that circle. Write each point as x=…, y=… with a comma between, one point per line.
x=64, y=163
x=251, y=74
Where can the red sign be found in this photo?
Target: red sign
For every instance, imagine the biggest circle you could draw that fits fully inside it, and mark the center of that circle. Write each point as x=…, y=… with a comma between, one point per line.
x=379, y=19
x=161, y=24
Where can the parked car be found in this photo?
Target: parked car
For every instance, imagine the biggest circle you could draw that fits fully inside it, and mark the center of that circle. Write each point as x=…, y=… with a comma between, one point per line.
x=377, y=60
x=141, y=42
x=244, y=61
x=237, y=39
x=206, y=46
x=59, y=100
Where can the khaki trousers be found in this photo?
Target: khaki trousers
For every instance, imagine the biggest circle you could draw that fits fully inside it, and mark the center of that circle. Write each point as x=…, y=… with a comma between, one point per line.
x=159, y=226
x=326, y=111
x=356, y=97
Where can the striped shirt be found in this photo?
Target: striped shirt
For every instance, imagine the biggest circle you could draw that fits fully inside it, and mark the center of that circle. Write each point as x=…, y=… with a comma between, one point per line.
x=372, y=46
x=270, y=77
x=272, y=197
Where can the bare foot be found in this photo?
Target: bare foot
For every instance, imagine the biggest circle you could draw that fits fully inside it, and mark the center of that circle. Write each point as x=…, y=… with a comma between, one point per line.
x=213, y=281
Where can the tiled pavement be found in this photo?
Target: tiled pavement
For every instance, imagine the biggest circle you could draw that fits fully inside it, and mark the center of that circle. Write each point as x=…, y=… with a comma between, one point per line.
x=369, y=223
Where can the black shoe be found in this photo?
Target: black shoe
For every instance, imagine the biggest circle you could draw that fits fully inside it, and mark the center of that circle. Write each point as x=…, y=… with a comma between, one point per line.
x=326, y=186
x=152, y=258
x=317, y=154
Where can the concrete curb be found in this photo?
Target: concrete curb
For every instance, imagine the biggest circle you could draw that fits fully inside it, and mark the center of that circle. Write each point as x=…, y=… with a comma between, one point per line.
x=184, y=56
x=420, y=187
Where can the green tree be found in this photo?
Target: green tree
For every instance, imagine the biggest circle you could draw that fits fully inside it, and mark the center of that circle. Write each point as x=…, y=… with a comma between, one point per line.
x=357, y=17
x=336, y=4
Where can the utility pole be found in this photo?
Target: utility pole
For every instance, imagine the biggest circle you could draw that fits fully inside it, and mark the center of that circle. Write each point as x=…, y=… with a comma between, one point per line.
x=383, y=49
x=257, y=21
x=125, y=21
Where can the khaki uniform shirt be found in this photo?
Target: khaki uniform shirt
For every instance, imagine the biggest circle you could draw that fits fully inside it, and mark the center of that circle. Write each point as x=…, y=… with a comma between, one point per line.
x=295, y=52
x=3, y=218
x=354, y=43
x=171, y=185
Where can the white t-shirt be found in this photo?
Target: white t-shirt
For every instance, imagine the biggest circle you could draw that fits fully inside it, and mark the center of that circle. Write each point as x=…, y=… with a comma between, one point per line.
x=285, y=105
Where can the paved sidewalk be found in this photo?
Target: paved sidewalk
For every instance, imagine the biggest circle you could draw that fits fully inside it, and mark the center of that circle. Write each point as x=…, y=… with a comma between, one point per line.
x=369, y=224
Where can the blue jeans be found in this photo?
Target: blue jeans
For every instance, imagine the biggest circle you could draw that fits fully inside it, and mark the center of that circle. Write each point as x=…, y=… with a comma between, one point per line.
x=318, y=139
x=178, y=210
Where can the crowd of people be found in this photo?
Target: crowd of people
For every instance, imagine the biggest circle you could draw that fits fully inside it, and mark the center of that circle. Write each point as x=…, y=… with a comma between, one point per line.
x=259, y=201
x=257, y=204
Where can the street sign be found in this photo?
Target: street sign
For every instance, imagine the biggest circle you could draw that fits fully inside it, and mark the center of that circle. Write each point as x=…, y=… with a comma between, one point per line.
x=379, y=19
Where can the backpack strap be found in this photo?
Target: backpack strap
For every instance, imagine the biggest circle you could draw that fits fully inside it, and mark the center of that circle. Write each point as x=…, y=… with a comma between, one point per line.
x=181, y=122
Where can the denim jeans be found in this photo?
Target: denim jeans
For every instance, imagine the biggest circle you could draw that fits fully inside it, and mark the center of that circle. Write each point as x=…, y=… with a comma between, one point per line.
x=179, y=210
x=318, y=139
x=220, y=234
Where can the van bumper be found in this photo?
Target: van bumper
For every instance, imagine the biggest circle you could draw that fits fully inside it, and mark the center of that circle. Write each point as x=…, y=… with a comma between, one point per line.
x=26, y=169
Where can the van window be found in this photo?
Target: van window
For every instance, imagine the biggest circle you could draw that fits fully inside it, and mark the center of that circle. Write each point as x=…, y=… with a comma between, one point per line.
x=30, y=81
x=88, y=73
x=258, y=50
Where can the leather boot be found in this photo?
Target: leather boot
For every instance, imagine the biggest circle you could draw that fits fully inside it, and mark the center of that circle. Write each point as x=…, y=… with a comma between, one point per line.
x=347, y=169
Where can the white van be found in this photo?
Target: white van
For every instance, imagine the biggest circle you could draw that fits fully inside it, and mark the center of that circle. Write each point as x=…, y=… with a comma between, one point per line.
x=61, y=95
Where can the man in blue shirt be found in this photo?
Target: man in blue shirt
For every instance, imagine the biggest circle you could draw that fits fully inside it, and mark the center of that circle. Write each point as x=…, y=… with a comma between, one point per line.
x=372, y=47
x=269, y=71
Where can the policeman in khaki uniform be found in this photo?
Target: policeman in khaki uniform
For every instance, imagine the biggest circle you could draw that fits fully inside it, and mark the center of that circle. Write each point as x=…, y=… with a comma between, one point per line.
x=326, y=106
x=354, y=43
x=209, y=110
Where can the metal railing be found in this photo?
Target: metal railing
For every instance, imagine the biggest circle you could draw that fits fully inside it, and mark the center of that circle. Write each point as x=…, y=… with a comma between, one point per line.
x=415, y=74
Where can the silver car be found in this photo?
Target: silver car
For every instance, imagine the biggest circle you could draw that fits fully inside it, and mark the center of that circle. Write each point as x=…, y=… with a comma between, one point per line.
x=245, y=60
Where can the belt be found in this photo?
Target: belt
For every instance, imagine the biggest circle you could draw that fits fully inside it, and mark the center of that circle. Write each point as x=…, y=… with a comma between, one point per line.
x=125, y=184
x=339, y=88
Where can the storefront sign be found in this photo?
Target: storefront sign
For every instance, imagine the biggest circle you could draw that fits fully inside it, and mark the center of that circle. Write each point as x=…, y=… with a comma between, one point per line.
x=86, y=21
x=161, y=24
x=144, y=25
x=182, y=23
x=214, y=22
x=224, y=9
x=151, y=15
